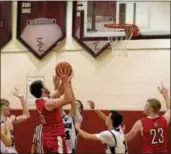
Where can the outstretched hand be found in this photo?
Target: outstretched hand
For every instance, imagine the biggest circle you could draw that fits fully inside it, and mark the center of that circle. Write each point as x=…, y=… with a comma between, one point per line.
x=163, y=90
x=66, y=78
x=63, y=71
x=16, y=92
x=91, y=104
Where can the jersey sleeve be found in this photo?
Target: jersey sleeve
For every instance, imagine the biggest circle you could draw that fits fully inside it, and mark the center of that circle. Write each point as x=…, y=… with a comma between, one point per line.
x=106, y=138
x=78, y=117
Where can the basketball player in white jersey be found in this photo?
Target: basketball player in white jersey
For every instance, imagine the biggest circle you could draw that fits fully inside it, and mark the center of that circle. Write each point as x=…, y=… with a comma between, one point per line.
x=69, y=120
x=37, y=141
x=12, y=119
x=113, y=138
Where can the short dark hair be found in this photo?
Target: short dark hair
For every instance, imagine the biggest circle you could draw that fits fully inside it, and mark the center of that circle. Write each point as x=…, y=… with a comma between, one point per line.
x=81, y=105
x=117, y=119
x=155, y=104
x=4, y=102
x=36, y=88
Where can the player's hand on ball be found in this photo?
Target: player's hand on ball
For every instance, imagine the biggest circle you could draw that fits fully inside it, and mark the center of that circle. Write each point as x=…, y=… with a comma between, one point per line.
x=91, y=104
x=16, y=92
x=163, y=90
x=63, y=68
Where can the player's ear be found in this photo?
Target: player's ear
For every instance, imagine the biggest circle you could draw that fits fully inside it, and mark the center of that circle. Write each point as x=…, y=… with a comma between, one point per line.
x=43, y=90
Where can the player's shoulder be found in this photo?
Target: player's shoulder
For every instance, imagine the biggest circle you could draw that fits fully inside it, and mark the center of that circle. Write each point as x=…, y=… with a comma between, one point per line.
x=40, y=103
x=107, y=133
x=145, y=120
x=162, y=119
x=139, y=122
x=41, y=100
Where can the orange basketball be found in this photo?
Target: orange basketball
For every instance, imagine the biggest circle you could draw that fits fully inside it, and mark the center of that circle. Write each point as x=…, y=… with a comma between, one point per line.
x=64, y=66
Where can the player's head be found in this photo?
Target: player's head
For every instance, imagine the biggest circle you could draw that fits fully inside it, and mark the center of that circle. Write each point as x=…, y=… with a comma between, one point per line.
x=79, y=106
x=114, y=119
x=5, y=107
x=152, y=106
x=37, y=89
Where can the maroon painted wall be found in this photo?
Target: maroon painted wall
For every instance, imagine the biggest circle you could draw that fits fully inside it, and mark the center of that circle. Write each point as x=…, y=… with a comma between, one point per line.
x=91, y=123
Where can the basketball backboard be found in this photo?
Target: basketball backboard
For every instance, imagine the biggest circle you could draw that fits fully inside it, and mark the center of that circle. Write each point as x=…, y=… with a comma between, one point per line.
x=152, y=18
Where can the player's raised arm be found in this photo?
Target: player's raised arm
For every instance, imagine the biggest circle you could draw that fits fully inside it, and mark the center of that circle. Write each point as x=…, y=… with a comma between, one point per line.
x=58, y=87
x=73, y=104
x=163, y=90
x=134, y=131
x=65, y=99
x=26, y=113
x=98, y=112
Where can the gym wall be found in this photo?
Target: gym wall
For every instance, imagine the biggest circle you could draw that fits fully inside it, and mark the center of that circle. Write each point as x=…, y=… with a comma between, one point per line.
x=114, y=83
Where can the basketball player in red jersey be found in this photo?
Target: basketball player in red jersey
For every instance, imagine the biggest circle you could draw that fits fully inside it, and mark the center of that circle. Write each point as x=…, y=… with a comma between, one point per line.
x=53, y=139
x=153, y=128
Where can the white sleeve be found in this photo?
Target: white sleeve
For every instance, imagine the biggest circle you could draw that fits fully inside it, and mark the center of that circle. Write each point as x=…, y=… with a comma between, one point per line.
x=78, y=117
x=106, y=138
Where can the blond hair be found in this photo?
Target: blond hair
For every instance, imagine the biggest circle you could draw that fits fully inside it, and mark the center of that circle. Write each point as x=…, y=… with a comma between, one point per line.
x=4, y=102
x=155, y=104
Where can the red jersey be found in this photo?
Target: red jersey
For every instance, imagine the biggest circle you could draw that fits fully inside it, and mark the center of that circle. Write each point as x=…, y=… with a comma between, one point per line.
x=154, y=138
x=52, y=120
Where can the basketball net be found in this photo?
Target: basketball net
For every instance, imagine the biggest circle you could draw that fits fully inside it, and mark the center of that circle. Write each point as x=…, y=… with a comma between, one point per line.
x=119, y=43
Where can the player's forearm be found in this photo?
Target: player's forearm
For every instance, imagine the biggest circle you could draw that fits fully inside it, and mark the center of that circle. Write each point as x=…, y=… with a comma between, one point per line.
x=73, y=105
x=167, y=101
x=68, y=92
x=100, y=114
x=61, y=88
x=6, y=138
x=78, y=117
x=55, y=94
x=128, y=137
x=84, y=134
x=26, y=112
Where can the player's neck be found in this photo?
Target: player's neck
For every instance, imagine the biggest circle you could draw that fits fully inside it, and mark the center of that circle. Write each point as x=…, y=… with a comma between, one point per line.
x=44, y=95
x=110, y=127
x=153, y=115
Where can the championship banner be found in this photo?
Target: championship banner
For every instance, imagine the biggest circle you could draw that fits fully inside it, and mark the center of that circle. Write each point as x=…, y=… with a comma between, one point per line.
x=5, y=22
x=41, y=25
x=94, y=46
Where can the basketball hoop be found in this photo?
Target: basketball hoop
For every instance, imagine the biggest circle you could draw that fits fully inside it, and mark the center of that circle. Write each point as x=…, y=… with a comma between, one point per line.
x=119, y=43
